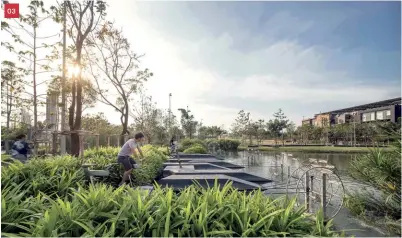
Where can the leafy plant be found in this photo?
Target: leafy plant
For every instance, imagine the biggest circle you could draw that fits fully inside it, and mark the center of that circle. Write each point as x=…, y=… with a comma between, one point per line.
x=196, y=149
x=381, y=170
x=100, y=210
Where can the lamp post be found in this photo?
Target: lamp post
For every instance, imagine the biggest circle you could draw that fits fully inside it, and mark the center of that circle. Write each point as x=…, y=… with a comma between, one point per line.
x=170, y=112
x=63, y=90
x=354, y=129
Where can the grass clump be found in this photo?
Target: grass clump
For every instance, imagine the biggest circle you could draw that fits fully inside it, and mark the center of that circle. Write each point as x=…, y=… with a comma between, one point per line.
x=223, y=144
x=102, y=211
x=187, y=143
x=219, y=144
x=196, y=149
x=382, y=171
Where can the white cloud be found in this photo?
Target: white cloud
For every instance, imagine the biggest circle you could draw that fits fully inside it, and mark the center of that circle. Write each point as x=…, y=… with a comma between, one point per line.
x=203, y=69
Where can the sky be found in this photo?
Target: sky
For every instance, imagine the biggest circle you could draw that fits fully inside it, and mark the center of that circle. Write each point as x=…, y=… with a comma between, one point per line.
x=218, y=58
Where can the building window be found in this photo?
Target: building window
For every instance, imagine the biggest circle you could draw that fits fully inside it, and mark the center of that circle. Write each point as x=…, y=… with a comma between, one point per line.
x=388, y=113
x=380, y=115
x=372, y=118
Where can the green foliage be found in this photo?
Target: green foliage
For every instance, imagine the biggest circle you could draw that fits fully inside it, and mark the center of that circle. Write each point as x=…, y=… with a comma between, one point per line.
x=164, y=150
x=188, y=123
x=381, y=170
x=210, y=131
x=187, y=143
x=52, y=176
x=101, y=211
x=223, y=144
x=196, y=149
x=11, y=134
x=150, y=166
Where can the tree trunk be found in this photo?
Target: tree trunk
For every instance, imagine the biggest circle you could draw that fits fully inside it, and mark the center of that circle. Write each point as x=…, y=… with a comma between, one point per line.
x=75, y=145
x=77, y=104
x=9, y=106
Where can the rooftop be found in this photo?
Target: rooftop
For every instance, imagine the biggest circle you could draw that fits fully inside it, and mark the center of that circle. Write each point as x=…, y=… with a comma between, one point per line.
x=384, y=103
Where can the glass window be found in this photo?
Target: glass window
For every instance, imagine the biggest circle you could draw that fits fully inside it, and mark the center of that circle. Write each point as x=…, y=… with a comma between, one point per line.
x=380, y=115
x=372, y=118
x=364, y=118
x=389, y=113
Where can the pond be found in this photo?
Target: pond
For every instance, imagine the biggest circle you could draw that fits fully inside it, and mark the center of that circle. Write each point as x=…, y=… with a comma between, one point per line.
x=268, y=165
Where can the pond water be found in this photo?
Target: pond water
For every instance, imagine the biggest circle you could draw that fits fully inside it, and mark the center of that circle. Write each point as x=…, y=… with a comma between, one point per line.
x=268, y=165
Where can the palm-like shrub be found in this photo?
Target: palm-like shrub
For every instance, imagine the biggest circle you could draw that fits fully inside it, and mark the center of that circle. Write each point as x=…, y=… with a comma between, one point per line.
x=381, y=170
x=102, y=211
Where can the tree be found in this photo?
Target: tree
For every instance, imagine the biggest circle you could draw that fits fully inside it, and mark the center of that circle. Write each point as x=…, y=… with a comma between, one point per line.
x=277, y=125
x=25, y=35
x=259, y=130
x=99, y=124
x=282, y=121
x=188, y=123
x=116, y=67
x=290, y=130
x=83, y=18
x=11, y=89
x=210, y=131
x=241, y=122
x=146, y=116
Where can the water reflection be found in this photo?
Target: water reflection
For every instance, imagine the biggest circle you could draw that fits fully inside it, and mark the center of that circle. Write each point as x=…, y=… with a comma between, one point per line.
x=268, y=164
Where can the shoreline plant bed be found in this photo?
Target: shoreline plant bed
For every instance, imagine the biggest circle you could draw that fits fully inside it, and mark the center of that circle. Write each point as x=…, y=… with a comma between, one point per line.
x=151, y=167
x=55, y=175
x=103, y=211
x=196, y=149
x=381, y=170
x=315, y=149
x=219, y=144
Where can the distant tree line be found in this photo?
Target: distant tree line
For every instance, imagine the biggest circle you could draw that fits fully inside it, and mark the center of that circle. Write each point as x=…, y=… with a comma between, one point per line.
x=281, y=130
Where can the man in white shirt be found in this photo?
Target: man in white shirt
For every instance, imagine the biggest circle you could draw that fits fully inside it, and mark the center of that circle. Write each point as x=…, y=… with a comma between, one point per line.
x=124, y=156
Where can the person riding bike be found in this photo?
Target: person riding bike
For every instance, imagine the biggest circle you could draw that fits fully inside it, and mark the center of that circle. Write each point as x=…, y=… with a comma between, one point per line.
x=124, y=156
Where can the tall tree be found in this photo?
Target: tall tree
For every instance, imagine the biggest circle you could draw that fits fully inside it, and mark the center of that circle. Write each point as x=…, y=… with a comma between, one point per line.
x=241, y=123
x=277, y=125
x=84, y=17
x=11, y=88
x=116, y=70
x=146, y=116
x=290, y=130
x=188, y=123
x=29, y=49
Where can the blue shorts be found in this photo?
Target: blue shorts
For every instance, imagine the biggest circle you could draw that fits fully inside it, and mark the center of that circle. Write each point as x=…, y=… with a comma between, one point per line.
x=127, y=161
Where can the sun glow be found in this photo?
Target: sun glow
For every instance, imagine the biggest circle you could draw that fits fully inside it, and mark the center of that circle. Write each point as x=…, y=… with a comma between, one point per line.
x=73, y=70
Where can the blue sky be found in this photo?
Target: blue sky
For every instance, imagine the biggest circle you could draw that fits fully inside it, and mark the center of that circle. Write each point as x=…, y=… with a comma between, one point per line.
x=303, y=57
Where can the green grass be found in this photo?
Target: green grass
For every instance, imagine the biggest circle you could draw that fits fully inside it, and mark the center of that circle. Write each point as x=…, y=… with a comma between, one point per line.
x=315, y=149
x=4, y=156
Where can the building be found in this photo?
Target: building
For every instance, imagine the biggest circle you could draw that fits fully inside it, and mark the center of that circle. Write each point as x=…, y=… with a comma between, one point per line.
x=386, y=110
x=308, y=121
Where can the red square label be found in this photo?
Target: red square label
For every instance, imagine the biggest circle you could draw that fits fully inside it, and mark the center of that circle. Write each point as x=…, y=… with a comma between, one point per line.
x=11, y=10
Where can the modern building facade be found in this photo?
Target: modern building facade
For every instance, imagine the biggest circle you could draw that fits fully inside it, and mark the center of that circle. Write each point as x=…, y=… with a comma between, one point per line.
x=386, y=110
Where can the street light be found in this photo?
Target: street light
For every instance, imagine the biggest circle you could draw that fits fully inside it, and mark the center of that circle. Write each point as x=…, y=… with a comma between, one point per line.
x=354, y=129
x=170, y=113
